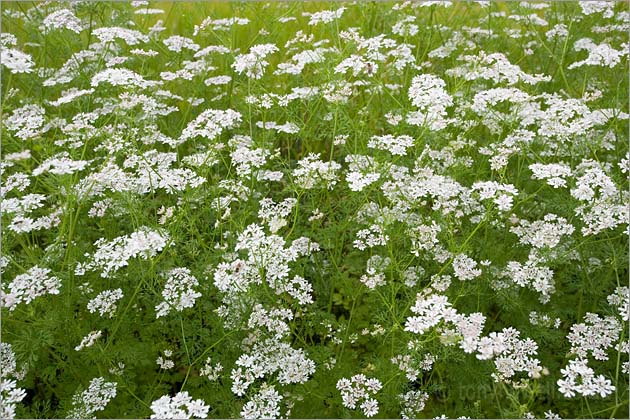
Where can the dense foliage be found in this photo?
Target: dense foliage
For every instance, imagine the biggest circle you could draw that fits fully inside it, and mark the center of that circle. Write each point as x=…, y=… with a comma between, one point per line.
x=328, y=210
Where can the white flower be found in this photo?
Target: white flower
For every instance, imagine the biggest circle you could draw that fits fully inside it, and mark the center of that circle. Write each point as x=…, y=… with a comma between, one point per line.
x=396, y=145
x=621, y=300
x=369, y=407
x=181, y=406
x=89, y=340
x=543, y=233
x=465, y=267
x=325, y=16
x=263, y=405
x=428, y=94
x=93, y=399
x=596, y=335
x=178, y=292
x=121, y=77
x=358, y=390
x=253, y=64
x=177, y=43
x=598, y=55
x=130, y=36
x=28, y=286
x=26, y=122
x=62, y=19
x=10, y=394
x=579, y=378
x=495, y=67
x=60, y=164
x=110, y=256
x=16, y=61
x=312, y=172
x=210, y=124
x=413, y=403
x=554, y=173
x=105, y=302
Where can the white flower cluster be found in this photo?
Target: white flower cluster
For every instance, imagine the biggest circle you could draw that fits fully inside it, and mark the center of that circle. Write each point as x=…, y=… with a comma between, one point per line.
x=61, y=19
x=484, y=104
x=358, y=64
x=404, y=27
x=153, y=172
x=265, y=404
x=396, y=145
x=287, y=127
x=253, y=64
x=495, y=67
x=413, y=403
x=179, y=292
x=220, y=24
x=424, y=237
x=375, y=271
x=621, y=300
x=510, y=353
x=181, y=406
x=299, y=61
x=501, y=194
x=17, y=181
x=274, y=214
x=211, y=372
x=268, y=254
x=595, y=335
x=465, y=268
x=272, y=320
x=217, y=80
x=413, y=366
x=93, y=399
x=22, y=224
x=89, y=340
x=23, y=205
x=178, y=43
x=598, y=55
x=360, y=390
x=16, y=61
x=554, y=173
x=163, y=362
x=70, y=95
x=130, y=36
x=267, y=358
x=110, y=256
x=370, y=237
x=26, y=122
x=325, y=16
x=543, y=320
x=604, y=7
x=25, y=287
x=578, y=377
x=362, y=171
x=311, y=172
x=10, y=394
x=105, y=303
x=210, y=124
x=121, y=77
x=60, y=164
x=543, y=233
x=245, y=157
x=532, y=275
x=429, y=311
x=603, y=206
x=428, y=94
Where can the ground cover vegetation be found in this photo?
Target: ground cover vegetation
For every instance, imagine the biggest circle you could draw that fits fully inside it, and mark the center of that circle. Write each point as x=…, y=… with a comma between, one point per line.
x=290, y=209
